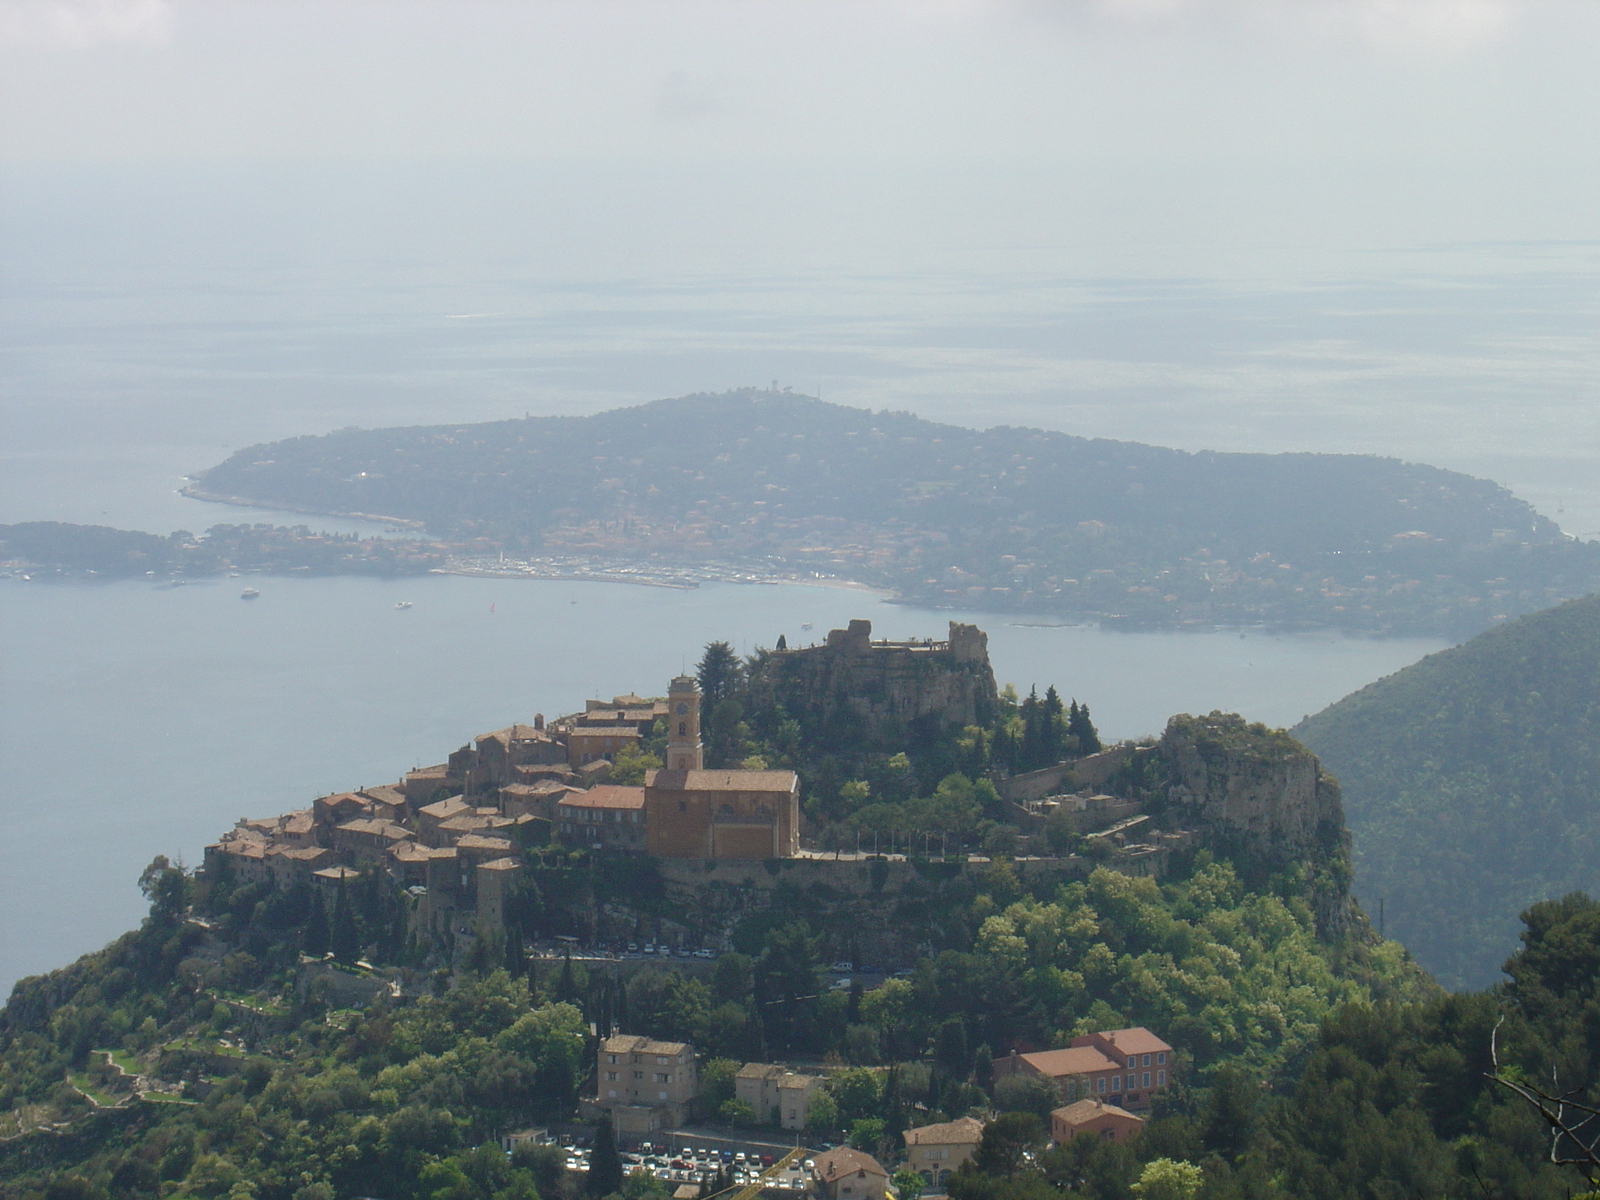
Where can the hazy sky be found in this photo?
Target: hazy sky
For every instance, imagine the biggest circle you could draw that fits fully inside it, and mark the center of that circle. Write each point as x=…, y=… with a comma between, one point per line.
x=1121, y=132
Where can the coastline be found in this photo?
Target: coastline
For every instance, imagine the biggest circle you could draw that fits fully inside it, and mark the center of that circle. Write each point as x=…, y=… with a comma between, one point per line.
x=198, y=493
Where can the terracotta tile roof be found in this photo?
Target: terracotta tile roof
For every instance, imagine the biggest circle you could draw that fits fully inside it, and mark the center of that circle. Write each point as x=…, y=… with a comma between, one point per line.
x=961, y=1131
x=1082, y=1111
x=1137, y=1040
x=836, y=1164
x=629, y=1043
x=378, y=827
x=723, y=781
x=473, y=841
x=514, y=733
x=606, y=795
x=441, y=810
x=501, y=864
x=1074, y=1060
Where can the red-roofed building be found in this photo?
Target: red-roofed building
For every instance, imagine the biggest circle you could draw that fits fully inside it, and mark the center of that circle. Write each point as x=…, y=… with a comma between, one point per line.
x=1120, y=1066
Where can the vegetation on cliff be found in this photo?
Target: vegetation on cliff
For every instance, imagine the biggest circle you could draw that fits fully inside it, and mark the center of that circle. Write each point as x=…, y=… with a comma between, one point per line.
x=1471, y=784
x=1002, y=519
x=267, y=1089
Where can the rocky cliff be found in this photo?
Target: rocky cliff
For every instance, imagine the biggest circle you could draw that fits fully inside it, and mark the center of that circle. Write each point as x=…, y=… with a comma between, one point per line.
x=857, y=693
x=1261, y=796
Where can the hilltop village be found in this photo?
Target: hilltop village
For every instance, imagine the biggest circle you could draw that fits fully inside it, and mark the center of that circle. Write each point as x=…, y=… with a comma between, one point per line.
x=460, y=837
x=457, y=835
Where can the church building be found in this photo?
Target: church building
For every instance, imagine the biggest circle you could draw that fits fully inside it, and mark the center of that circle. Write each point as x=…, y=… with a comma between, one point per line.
x=691, y=812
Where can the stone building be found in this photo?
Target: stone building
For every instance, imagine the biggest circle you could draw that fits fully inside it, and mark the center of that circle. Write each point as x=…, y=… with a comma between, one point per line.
x=607, y=817
x=933, y=1151
x=776, y=1090
x=645, y=1084
x=1093, y=1117
x=846, y=1174
x=691, y=812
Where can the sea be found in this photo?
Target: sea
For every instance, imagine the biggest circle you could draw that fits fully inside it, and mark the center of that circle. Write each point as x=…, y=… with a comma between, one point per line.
x=152, y=324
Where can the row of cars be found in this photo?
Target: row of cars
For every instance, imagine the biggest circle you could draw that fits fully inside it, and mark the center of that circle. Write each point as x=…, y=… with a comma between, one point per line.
x=688, y=1165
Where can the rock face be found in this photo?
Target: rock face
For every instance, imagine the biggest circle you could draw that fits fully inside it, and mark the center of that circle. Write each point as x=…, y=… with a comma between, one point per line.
x=866, y=693
x=1265, y=797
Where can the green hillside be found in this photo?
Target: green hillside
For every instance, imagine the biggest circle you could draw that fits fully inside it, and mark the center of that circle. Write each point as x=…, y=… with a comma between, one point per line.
x=1472, y=785
x=1004, y=519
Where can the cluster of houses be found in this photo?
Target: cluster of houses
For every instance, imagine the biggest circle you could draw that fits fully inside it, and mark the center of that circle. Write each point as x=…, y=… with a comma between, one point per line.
x=453, y=833
x=1105, y=1080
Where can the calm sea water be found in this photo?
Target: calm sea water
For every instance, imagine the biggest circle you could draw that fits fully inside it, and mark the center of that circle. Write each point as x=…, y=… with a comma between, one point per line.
x=152, y=323
x=144, y=720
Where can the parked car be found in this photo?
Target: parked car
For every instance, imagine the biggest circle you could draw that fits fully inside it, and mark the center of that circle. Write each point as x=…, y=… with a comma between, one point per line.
x=841, y=965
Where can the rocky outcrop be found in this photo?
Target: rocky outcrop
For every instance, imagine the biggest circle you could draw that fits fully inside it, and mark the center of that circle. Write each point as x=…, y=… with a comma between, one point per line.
x=1265, y=798
x=865, y=693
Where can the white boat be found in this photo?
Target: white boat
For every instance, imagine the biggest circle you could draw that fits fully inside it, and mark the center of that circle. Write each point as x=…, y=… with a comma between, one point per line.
x=249, y=594
x=403, y=604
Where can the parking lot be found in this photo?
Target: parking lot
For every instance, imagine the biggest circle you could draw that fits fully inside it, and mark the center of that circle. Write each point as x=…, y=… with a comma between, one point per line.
x=696, y=1164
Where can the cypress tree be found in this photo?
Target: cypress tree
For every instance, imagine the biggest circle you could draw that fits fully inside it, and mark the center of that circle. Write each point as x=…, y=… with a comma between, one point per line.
x=315, y=939
x=1081, y=727
x=516, y=961
x=343, y=939
x=567, y=986
x=605, y=1164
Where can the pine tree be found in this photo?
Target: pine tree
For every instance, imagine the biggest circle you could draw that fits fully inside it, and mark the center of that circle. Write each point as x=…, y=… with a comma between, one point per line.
x=315, y=939
x=718, y=673
x=343, y=938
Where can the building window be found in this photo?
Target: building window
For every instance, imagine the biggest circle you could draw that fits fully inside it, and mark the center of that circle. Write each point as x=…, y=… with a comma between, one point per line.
x=683, y=806
x=1147, y=1060
x=611, y=1076
x=1161, y=1079
x=1116, y=1085
x=1161, y=1058
x=1147, y=1079
x=1100, y=1084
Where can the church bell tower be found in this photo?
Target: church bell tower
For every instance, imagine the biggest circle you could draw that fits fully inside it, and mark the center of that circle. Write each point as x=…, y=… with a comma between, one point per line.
x=683, y=735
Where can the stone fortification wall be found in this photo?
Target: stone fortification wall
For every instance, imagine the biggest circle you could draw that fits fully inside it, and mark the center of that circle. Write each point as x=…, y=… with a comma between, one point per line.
x=875, y=691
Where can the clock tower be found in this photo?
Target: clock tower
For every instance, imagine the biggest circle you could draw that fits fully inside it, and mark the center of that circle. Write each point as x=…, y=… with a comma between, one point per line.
x=684, y=752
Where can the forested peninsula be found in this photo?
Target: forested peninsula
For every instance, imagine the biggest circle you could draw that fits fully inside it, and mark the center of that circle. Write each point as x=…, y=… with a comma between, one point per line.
x=1005, y=519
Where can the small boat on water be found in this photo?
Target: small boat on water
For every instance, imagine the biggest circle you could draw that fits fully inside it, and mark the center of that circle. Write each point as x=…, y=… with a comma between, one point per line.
x=805, y=624
x=403, y=604
x=249, y=594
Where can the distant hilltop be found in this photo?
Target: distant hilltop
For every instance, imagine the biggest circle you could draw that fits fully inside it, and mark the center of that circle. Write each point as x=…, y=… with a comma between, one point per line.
x=1004, y=519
